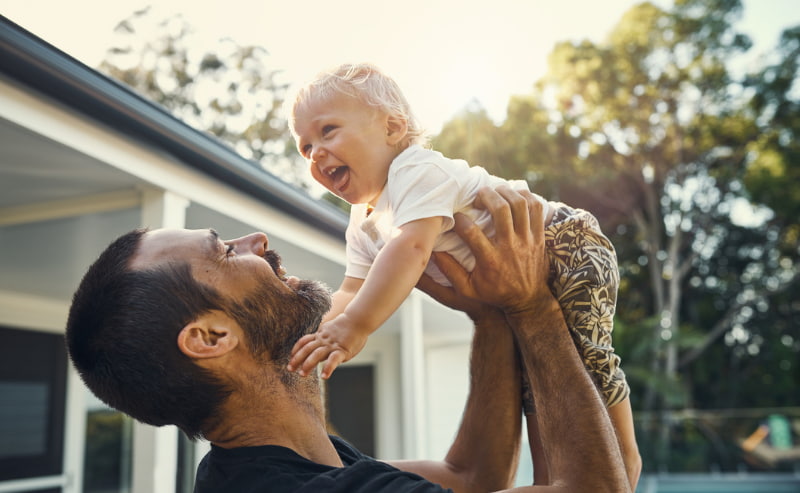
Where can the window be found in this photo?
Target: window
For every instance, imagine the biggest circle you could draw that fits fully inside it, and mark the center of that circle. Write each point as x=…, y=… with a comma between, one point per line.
x=109, y=445
x=32, y=402
x=351, y=406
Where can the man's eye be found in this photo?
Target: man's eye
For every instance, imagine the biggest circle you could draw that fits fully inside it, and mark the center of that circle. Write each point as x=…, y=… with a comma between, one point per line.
x=229, y=251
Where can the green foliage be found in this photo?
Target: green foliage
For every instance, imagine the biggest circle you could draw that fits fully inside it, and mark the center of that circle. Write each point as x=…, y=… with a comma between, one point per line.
x=472, y=136
x=691, y=172
x=776, y=152
x=224, y=88
x=338, y=202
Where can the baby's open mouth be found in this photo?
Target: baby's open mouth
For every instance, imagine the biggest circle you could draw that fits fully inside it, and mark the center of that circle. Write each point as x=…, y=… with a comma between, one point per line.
x=338, y=176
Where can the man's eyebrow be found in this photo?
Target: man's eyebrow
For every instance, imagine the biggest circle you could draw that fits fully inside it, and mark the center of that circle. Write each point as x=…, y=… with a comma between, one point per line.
x=213, y=239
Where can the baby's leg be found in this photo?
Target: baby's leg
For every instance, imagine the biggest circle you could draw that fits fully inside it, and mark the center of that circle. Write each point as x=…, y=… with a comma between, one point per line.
x=584, y=277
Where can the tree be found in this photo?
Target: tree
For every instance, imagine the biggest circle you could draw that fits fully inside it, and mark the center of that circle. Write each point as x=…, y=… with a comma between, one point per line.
x=758, y=276
x=226, y=89
x=776, y=152
x=472, y=136
x=651, y=132
x=639, y=131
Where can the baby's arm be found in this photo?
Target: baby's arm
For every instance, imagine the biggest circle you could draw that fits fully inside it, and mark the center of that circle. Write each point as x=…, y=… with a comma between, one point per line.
x=343, y=296
x=622, y=419
x=391, y=278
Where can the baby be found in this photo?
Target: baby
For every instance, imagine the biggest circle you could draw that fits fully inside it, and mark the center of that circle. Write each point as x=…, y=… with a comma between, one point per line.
x=356, y=130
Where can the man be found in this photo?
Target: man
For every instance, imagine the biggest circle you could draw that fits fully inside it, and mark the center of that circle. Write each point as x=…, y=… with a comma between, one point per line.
x=180, y=327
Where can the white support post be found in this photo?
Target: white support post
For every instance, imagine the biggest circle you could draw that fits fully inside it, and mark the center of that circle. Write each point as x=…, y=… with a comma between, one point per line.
x=74, y=436
x=412, y=369
x=155, y=459
x=163, y=209
x=201, y=448
x=155, y=450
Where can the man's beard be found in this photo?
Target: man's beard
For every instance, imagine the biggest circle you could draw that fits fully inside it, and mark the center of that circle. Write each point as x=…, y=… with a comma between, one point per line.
x=274, y=319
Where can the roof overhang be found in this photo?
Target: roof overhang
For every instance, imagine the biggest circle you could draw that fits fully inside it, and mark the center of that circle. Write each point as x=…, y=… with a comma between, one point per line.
x=38, y=65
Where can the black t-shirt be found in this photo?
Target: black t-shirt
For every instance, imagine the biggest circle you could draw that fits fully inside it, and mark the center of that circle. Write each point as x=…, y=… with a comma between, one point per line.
x=271, y=468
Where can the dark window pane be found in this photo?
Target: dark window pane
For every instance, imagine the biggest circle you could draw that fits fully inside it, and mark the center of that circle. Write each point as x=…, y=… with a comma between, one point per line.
x=351, y=406
x=23, y=419
x=32, y=401
x=107, y=462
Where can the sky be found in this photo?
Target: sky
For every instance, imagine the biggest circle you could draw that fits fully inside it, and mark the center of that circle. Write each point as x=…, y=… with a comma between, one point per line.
x=443, y=53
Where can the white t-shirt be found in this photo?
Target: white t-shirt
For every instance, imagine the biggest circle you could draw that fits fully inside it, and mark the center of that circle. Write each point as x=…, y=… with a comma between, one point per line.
x=422, y=183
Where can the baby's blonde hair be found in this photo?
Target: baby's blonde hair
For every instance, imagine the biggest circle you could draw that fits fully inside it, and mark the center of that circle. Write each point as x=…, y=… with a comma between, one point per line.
x=366, y=83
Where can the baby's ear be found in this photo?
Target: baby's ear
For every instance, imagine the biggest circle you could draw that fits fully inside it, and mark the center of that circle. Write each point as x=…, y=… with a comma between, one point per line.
x=396, y=129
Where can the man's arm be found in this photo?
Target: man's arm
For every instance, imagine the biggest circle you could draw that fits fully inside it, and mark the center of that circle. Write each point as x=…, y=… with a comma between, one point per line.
x=485, y=452
x=575, y=429
x=576, y=433
x=511, y=274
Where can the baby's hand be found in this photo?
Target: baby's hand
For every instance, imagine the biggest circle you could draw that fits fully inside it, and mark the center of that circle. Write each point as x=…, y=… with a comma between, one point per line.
x=335, y=342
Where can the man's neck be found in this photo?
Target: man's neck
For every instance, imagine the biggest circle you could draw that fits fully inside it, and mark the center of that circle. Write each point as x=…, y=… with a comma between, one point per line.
x=292, y=419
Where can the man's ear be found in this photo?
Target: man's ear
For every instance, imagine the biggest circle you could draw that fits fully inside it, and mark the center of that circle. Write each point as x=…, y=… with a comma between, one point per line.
x=209, y=336
x=396, y=129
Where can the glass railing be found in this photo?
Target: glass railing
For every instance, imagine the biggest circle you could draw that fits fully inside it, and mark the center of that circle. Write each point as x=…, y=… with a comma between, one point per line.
x=720, y=441
x=719, y=451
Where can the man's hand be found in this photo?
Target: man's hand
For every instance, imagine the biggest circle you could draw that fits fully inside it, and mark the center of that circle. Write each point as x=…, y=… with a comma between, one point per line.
x=476, y=310
x=510, y=268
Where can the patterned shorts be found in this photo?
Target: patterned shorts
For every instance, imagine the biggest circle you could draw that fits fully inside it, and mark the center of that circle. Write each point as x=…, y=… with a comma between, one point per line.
x=584, y=278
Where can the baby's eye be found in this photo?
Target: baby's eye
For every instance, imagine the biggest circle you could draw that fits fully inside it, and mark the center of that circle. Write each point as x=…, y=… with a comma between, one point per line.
x=305, y=150
x=328, y=129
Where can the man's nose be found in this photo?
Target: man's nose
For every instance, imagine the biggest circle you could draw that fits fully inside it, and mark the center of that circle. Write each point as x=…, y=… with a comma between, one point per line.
x=255, y=243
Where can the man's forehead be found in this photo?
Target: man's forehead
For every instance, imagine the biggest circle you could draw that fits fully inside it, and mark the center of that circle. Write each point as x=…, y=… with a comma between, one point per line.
x=164, y=245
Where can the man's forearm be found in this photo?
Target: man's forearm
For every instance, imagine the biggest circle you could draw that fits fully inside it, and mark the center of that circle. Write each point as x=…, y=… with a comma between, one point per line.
x=511, y=272
x=487, y=444
x=573, y=422
x=484, y=454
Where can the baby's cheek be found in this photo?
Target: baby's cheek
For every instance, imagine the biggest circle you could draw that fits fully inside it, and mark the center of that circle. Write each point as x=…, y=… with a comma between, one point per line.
x=318, y=177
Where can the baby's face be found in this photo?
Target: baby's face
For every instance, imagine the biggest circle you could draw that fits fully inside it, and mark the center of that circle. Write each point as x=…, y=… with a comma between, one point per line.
x=347, y=144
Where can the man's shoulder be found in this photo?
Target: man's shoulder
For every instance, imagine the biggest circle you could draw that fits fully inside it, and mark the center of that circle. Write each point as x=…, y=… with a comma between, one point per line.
x=277, y=469
x=347, y=452
x=366, y=474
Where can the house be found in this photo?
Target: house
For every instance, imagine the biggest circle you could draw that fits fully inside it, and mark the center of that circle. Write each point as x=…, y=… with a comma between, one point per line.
x=84, y=159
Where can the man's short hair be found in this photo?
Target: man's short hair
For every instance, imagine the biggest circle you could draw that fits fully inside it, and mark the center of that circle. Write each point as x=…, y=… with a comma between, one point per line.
x=122, y=335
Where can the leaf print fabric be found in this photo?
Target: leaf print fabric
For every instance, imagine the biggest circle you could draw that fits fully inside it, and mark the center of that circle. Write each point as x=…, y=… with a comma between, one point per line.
x=584, y=278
